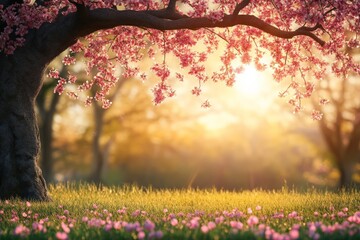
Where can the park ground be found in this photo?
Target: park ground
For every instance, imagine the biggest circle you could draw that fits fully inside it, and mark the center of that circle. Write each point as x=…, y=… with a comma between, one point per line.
x=84, y=211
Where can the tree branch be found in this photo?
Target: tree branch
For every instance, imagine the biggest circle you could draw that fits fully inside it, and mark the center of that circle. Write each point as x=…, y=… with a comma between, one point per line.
x=172, y=5
x=164, y=20
x=240, y=6
x=63, y=32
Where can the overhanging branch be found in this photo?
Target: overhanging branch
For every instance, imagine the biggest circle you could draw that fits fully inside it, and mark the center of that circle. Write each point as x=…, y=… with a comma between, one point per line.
x=169, y=20
x=240, y=6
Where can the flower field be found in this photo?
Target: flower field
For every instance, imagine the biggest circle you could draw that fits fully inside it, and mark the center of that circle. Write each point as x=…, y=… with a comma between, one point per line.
x=87, y=212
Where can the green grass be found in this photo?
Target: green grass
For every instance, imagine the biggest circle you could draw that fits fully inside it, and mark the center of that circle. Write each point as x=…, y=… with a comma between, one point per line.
x=192, y=209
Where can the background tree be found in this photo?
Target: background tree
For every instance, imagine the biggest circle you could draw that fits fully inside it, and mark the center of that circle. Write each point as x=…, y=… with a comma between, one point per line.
x=35, y=32
x=46, y=103
x=340, y=126
x=100, y=152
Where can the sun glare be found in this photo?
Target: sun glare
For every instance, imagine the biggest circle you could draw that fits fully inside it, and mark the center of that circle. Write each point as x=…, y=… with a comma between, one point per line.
x=249, y=82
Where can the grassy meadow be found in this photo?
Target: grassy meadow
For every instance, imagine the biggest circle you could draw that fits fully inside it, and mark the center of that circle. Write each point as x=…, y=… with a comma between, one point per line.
x=88, y=212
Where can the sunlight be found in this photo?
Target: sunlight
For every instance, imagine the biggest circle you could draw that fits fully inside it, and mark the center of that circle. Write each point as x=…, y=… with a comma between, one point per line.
x=248, y=82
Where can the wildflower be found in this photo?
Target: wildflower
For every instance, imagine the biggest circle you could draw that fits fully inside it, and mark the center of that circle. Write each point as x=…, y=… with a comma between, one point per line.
x=219, y=220
x=28, y=204
x=294, y=234
x=211, y=225
x=204, y=229
x=249, y=211
x=21, y=230
x=141, y=235
x=108, y=227
x=149, y=225
x=61, y=236
x=38, y=227
x=258, y=208
x=293, y=214
x=65, y=227
x=194, y=223
x=253, y=220
x=174, y=222
x=156, y=235
x=341, y=214
x=236, y=225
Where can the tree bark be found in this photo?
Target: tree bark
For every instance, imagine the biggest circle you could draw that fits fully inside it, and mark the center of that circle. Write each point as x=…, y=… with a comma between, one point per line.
x=20, y=82
x=346, y=170
x=98, y=157
x=20, y=175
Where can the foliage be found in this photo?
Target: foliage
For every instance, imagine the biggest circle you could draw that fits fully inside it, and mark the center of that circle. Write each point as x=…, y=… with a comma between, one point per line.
x=130, y=212
x=300, y=37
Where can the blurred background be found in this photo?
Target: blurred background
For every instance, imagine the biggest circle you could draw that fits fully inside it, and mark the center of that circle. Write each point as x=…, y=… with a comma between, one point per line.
x=249, y=137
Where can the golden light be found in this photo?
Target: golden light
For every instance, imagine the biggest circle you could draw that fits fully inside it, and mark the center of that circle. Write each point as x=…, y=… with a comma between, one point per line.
x=249, y=82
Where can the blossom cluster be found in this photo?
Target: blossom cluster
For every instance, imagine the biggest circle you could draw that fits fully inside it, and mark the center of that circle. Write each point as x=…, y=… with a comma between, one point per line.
x=141, y=224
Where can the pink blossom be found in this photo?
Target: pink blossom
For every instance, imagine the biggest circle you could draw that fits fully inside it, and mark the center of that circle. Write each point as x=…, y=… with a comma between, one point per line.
x=61, y=236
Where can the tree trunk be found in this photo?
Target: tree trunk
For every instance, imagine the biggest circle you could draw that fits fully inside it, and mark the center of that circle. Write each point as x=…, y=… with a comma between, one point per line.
x=98, y=157
x=20, y=82
x=346, y=170
x=47, y=162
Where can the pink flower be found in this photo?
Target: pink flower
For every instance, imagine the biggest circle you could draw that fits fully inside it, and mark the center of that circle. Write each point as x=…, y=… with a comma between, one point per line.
x=294, y=234
x=141, y=235
x=149, y=225
x=174, y=222
x=117, y=225
x=194, y=223
x=253, y=220
x=236, y=225
x=38, y=227
x=258, y=208
x=61, y=236
x=28, y=204
x=204, y=229
x=21, y=231
x=211, y=225
x=65, y=227
x=156, y=235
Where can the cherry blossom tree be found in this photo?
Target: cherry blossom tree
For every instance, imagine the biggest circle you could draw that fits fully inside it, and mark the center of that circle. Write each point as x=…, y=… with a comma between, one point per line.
x=294, y=34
